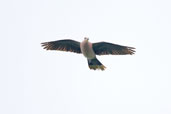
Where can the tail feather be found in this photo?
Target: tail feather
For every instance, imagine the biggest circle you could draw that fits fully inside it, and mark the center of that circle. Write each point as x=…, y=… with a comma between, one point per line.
x=95, y=64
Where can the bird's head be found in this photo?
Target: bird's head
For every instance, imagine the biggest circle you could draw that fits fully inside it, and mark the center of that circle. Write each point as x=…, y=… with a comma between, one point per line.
x=86, y=38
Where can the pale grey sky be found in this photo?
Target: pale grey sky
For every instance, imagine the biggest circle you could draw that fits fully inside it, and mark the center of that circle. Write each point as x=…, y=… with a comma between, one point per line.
x=36, y=81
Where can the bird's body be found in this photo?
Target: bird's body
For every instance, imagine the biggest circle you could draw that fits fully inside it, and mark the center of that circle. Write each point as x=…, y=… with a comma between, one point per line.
x=89, y=50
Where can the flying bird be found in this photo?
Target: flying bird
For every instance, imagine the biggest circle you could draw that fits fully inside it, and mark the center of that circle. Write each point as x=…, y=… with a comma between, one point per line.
x=89, y=50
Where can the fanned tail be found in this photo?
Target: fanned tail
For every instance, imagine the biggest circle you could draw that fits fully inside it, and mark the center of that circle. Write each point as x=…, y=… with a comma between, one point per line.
x=95, y=64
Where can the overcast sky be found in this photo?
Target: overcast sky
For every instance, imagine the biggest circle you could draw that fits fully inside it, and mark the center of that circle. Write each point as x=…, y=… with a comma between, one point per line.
x=36, y=81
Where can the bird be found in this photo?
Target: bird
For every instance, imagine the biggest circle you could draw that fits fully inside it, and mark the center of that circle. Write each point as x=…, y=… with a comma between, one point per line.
x=89, y=50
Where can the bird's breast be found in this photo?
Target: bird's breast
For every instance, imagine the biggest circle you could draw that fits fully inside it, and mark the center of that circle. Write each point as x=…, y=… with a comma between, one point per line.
x=87, y=50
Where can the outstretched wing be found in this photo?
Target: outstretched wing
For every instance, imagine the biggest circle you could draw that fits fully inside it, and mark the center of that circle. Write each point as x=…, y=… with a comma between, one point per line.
x=63, y=45
x=105, y=48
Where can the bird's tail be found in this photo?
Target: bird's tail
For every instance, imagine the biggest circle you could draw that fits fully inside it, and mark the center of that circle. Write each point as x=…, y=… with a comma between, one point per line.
x=95, y=64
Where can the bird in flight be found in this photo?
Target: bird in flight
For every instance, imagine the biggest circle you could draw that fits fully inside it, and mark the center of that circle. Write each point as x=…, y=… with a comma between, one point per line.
x=89, y=50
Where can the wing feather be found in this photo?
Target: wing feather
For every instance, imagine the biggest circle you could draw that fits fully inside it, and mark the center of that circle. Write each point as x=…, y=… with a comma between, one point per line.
x=63, y=45
x=105, y=48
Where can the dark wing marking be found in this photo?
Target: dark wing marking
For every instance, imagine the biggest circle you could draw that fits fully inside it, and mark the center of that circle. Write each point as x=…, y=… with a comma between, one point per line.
x=105, y=48
x=63, y=45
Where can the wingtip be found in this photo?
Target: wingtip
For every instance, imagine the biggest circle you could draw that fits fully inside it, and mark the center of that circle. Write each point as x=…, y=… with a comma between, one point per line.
x=131, y=50
x=45, y=45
